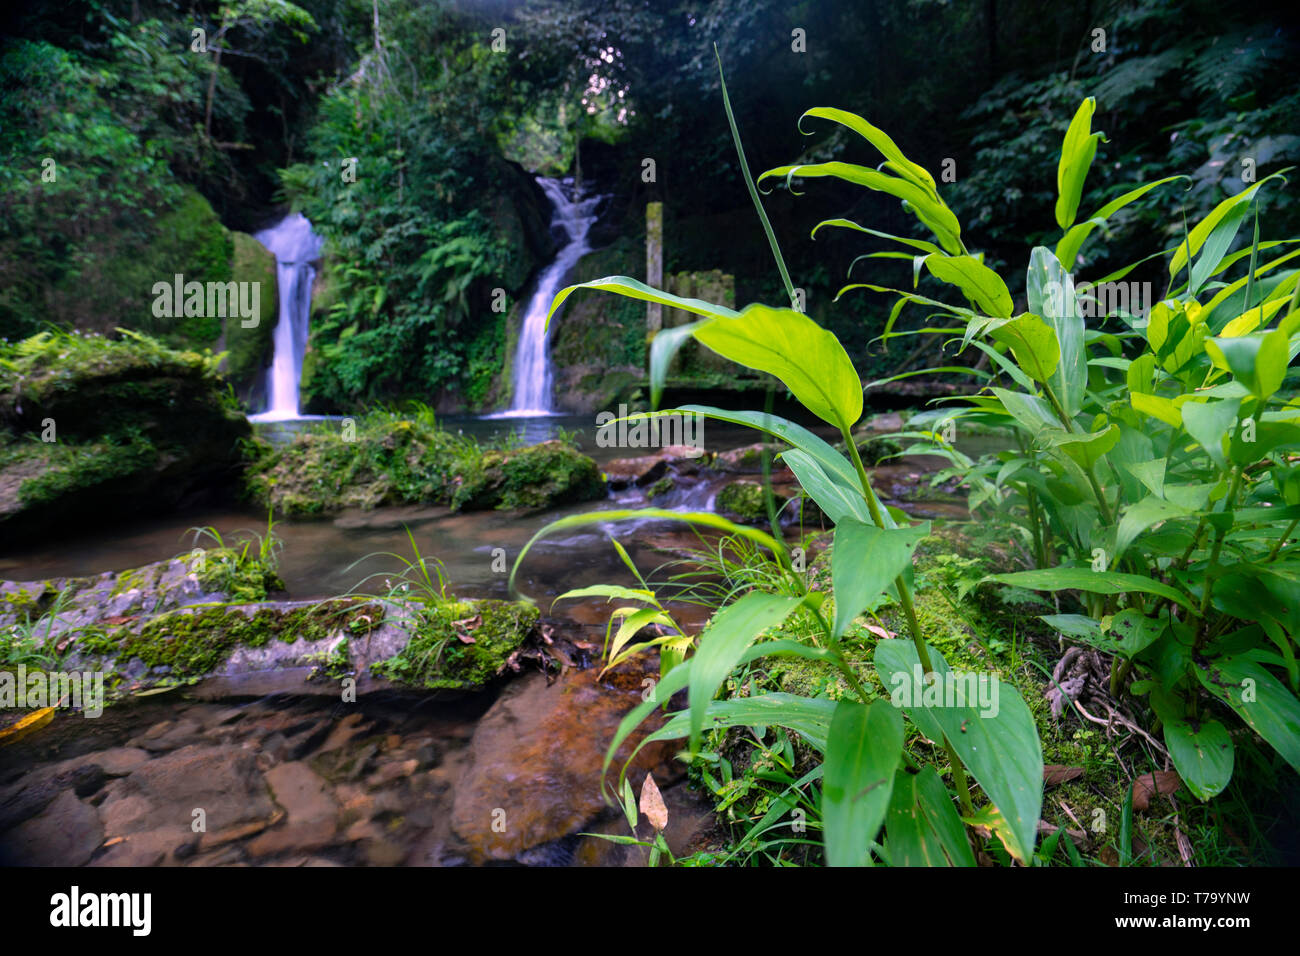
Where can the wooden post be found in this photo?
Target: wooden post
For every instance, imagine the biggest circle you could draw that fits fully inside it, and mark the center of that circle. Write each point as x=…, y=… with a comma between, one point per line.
x=654, y=262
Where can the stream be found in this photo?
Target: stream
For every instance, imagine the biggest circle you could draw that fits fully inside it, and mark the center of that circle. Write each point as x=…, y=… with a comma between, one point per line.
x=506, y=776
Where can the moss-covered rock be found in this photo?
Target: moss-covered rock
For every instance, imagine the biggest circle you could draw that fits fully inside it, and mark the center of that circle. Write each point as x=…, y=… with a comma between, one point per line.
x=249, y=350
x=385, y=459
x=97, y=424
x=743, y=501
x=459, y=645
x=540, y=476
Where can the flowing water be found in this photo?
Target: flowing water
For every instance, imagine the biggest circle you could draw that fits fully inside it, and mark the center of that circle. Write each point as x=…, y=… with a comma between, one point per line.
x=573, y=215
x=296, y=249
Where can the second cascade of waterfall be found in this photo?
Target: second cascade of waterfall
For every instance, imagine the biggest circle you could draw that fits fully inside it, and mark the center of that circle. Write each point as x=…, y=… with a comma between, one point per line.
x=295, y=248
x=532, y=379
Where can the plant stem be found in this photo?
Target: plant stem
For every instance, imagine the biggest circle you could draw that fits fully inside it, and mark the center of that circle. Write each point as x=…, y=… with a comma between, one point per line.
x=909, y=611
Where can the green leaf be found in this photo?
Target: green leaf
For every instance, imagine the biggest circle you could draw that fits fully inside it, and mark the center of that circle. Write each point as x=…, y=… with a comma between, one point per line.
x=1077, y=152
x=809, y=717
x=705, y=518
x=1208, y=423
x=977, y=282
x=1067, y=250
x=839, y=499
x=732, y=630
x=1260, y=699
x=1085, y=448
x=1258, y=361
x=1135, y=631
x=1202, y=752
x=995, y=736
x=809, y=359
x=1138, y=517
x=864, y=561
x=663, y=347
x=633, y=289
x=1085, y=579
x=1050, y=293
x=862, y=754
x=1197, y=237
x=922, y=203
x=1032, y=342
x=923, y=828
x=878, y=138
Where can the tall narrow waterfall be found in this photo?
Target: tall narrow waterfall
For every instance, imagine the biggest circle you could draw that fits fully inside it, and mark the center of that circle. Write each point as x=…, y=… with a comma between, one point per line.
x=295, y=248
x=573, y=215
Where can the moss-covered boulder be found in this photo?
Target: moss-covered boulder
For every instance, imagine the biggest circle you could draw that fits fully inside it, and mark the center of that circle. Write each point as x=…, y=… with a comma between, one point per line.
x=540, y=476
x=743, y=501
x=93, y=425
x=385, y=459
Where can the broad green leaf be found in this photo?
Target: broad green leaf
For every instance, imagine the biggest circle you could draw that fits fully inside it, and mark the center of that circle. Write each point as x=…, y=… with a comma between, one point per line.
x=633, y=289
x=862, y=754
x=923, y=828
x=1032, y=342
x=1138, y=517
x=1085, y=579
x=730, y=632
x=988, y=725
x=1258, y=361
x=663, y=347
x=1260, y=699
x=1208, y=423
x=1084, y=448
x=1050, y=292
x=1134, y=631
x=809, y=359
x=1077, y=152
x=1030, y=410
x=1202, y=751
x=977, y=282
x=865, y=560
x=1157, y=407
x=838, y=499
x=809, y=717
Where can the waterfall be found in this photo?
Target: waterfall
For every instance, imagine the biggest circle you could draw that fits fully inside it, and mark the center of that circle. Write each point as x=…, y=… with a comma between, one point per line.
x=295, y=248
x=573, y=216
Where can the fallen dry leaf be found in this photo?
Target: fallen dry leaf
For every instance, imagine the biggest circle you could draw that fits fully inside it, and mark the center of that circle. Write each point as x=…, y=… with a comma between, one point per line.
x=1055, y=774
x=1150, y=784
x=881, y=632
x=652, y=804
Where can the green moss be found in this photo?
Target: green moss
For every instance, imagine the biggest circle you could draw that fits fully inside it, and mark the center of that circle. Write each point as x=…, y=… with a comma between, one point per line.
x=248, y=350
x=744, y=500
x=71, y=468
x=661, y=487
x=438, y=657
x=192, y=646
x=540, y=476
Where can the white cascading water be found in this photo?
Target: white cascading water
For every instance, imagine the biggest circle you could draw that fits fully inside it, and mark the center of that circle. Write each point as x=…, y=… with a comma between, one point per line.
x=296, y=248
x=573, y=215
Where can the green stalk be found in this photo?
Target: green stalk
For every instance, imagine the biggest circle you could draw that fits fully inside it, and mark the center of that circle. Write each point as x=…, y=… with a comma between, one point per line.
x=909, y=611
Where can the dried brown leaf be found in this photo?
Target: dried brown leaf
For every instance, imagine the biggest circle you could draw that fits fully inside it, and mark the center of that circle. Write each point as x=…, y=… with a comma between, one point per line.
x=652, y=804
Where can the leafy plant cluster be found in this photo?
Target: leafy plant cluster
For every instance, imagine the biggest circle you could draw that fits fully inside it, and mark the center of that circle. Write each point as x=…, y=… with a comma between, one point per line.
x=1162, y=445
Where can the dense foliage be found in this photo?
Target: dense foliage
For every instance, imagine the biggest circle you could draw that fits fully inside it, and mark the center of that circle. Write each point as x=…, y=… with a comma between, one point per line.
x=1150, y=451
